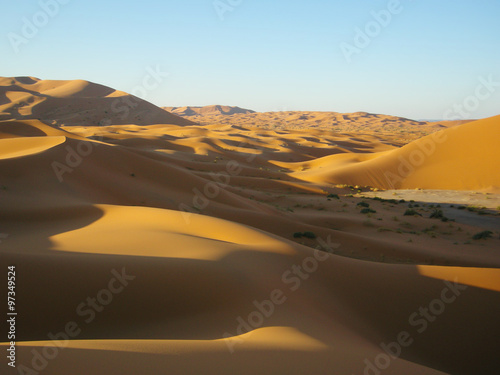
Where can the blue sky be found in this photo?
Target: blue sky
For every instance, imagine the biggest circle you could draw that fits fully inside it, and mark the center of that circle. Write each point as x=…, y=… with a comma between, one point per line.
x=425, y=59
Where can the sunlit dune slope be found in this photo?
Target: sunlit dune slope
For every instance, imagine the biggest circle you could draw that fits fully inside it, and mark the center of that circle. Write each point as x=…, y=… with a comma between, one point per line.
x=466, y=157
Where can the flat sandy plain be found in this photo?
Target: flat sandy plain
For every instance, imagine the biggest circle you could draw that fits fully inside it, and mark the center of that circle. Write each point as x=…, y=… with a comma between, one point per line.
x=162, y=244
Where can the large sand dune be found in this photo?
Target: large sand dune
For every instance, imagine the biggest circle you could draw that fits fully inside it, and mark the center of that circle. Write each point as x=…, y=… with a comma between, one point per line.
x=462, y=158
x=185, y=239
x=76, y=103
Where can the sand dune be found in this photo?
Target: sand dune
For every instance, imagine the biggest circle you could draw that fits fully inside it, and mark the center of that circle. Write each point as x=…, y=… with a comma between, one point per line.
x=76, y=103
x=209, y=110
x=191, y=240
x=461, y=158
x=403, y=129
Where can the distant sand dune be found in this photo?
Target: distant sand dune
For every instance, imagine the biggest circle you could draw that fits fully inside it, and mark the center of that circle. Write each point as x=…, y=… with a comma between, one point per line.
x=400, y=128
x=208, y=110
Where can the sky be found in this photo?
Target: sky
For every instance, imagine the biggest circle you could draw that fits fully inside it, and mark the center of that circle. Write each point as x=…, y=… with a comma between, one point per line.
x=421, y=59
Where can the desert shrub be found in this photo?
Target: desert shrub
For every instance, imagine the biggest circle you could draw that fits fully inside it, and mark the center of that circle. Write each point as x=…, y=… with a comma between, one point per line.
x=437, y=214
x=367, y=211
x=311, y=235
x=475, y=208
x=336, y=196
x=485, y=234
x=410, y=212
x=363, y=204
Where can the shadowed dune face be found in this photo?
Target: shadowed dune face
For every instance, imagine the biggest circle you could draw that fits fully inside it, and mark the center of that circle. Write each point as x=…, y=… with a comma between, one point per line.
x=226, y=248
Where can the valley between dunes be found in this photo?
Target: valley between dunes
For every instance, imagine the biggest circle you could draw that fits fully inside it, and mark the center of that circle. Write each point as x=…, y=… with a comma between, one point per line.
x=156, y=244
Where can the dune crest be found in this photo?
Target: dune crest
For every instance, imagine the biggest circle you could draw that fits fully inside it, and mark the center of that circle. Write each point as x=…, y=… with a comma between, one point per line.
x=18, y=147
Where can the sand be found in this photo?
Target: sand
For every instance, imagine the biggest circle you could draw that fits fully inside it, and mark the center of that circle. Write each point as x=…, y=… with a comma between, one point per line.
x=209, y=110
x=396, y=128
x=191, y=277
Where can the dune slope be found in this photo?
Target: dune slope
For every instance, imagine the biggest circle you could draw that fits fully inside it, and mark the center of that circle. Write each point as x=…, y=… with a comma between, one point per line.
x=461, y=158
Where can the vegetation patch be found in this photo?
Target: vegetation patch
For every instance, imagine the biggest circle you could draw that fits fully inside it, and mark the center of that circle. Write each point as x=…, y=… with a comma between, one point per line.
x=482, y=235
x=310, y=235
x=363, y=204
x=411, y=212
x=437, y=214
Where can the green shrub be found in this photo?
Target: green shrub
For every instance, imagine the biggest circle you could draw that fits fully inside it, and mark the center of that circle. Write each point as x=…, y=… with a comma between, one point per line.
x=410, y=212
x=310, y=235
x=367, y=211
x=363, y=204
x=336, y=196
x=436, y=214
x=481, y=235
